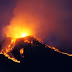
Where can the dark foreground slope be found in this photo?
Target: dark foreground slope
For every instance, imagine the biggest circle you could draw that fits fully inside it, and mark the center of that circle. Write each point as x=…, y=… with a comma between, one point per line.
x=35, y=54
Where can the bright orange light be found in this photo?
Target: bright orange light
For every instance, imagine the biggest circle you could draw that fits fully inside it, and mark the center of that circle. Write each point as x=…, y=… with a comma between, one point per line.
x=25, y=34
x=21, y=51
x=17, y=31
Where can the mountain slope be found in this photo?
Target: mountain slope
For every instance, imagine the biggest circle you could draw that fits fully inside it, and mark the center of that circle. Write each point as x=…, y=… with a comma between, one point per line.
x=35, y=54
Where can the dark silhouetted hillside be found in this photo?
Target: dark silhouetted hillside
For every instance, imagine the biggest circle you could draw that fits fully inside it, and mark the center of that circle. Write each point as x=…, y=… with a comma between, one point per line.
x=36, y=54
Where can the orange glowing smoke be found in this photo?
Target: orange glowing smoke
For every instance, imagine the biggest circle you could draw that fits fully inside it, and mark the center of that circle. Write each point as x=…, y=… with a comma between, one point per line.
x=16, y=31
x=24, y=23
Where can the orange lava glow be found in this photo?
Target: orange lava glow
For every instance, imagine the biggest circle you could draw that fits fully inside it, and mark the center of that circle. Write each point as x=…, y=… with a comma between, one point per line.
x=21, y=52
x=7, y=48
x=57, y=50
x=16, y=31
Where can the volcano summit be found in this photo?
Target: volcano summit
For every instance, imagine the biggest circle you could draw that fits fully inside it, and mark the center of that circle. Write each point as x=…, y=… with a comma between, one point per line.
x=30, y=51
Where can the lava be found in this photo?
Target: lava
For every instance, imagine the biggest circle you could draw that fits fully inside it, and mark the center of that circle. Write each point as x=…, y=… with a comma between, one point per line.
x=11, y=44
x=21, y=52
x=7, y=48
x=57, y=50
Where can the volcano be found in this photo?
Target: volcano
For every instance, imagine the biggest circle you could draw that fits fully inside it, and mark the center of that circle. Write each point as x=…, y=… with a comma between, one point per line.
x=30, y=52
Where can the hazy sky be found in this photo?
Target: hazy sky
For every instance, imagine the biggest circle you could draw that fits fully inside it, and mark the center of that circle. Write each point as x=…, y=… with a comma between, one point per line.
x=6, y=13
x=55, y=18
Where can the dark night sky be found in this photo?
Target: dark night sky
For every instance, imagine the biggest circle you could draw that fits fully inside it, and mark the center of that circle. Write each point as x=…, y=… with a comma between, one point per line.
x=57, y=24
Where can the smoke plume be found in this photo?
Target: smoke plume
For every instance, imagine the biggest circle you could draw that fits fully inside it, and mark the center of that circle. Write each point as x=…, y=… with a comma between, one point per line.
x=46, y=19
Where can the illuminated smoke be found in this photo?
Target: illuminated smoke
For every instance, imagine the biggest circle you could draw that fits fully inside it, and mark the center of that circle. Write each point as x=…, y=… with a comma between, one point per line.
x=43, y=19
x=31, y=16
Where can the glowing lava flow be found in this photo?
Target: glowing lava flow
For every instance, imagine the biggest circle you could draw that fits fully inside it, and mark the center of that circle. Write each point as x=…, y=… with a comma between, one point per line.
x=55, y=49
x=7, y=48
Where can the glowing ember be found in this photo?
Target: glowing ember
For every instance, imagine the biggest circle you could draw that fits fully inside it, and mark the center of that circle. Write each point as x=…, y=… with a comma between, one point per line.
x=21, y=52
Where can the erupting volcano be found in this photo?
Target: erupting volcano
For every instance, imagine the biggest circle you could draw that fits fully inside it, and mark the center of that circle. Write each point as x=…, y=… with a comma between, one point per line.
x=20, y=39
x=32, y=22
x=14, y=48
